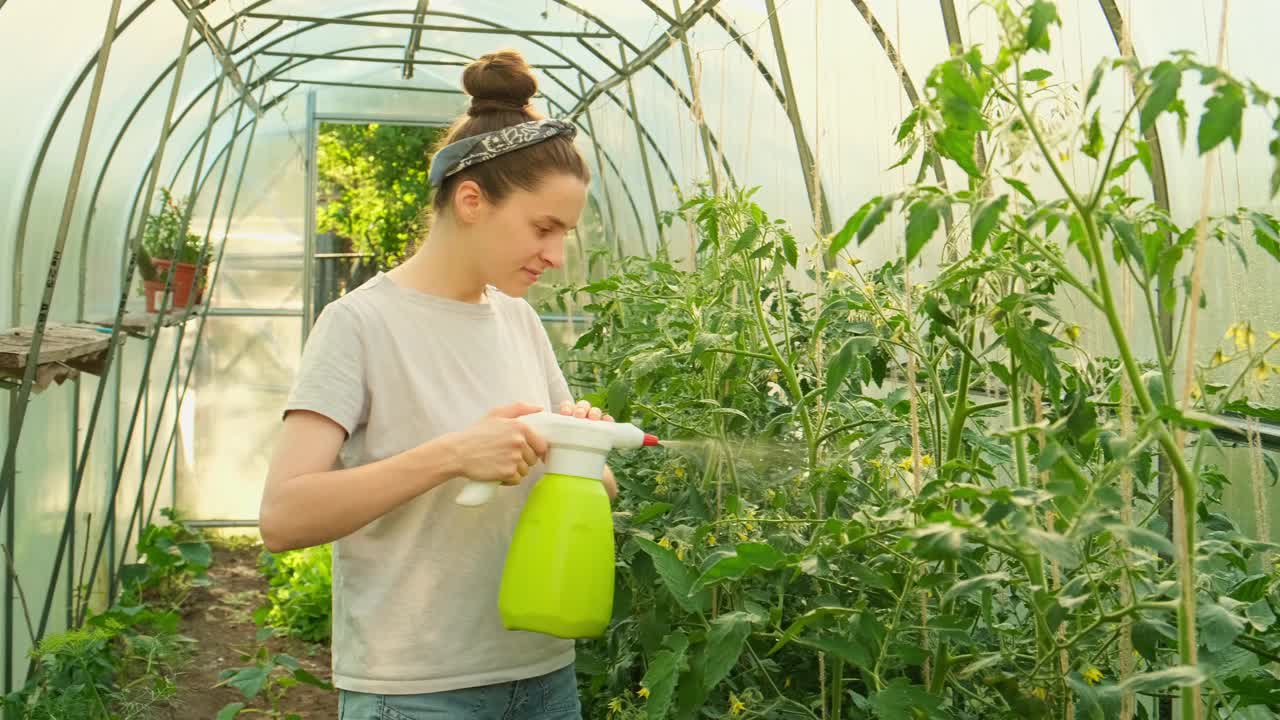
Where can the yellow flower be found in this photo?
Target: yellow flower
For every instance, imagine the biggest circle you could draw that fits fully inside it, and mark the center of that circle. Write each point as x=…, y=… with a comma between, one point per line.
x=680, y=553
x=869, y=289
x=1242, y=334
x=1273, y=334
x=1092, y=676
x=837, y=275
x=643, y=692
x=1218, y=359
x=735, y=705
x=786, y=683
x=679, y=473
x=926, y=461
x=742, y=536
x=615, y=706
x=1260, y=373
x=1063, y=156
x=665, y=542
x=1073, y=332
x=1040, y=693
x=711, y=539
x=906, y=463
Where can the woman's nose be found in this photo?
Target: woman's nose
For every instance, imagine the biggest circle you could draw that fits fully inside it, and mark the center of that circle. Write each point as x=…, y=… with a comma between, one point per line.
x=553, y=253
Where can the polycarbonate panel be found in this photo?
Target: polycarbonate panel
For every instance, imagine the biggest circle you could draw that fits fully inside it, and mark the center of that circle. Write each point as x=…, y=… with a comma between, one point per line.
x=242, y=378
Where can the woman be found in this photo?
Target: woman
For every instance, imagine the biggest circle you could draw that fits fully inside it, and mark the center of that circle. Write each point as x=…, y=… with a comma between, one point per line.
x=415, y=381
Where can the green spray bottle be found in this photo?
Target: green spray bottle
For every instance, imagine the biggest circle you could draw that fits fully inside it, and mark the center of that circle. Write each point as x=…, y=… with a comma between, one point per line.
x=558, y=576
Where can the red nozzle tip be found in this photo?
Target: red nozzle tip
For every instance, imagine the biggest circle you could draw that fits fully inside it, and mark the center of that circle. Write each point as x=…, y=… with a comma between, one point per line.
x=650, y=440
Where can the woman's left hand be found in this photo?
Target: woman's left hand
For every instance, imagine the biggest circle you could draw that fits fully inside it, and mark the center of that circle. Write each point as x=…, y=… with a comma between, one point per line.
x=584, y=409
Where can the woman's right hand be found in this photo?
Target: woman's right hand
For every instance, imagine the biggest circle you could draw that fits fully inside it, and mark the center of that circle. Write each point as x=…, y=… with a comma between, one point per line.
x=500, y=448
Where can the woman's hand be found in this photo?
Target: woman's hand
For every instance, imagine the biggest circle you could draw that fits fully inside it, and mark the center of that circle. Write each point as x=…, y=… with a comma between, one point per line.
x=500, y=448
x=584, y=409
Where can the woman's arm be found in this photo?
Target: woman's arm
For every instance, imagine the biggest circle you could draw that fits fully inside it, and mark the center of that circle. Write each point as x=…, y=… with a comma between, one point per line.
x=306, y=502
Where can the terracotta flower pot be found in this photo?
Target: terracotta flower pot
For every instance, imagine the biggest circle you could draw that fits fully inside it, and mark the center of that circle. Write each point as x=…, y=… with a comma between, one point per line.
x=184, y=277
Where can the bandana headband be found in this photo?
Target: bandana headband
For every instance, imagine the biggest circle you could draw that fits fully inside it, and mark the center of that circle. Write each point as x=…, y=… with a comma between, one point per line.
x=460, y=155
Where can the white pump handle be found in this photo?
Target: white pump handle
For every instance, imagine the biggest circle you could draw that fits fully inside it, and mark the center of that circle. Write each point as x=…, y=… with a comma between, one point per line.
x=578, y=446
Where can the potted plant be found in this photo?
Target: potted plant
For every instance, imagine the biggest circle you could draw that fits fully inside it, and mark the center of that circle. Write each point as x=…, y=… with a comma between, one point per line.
x=161, y=247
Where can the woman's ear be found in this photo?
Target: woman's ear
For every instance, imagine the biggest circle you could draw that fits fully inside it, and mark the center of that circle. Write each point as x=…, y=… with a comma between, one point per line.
x=468, y=202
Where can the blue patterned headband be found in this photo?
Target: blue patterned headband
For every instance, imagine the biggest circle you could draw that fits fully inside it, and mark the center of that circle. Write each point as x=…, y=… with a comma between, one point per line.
x=469, y=151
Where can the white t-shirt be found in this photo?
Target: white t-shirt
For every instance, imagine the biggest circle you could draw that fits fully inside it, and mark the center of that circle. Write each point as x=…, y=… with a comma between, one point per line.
x=415, y=592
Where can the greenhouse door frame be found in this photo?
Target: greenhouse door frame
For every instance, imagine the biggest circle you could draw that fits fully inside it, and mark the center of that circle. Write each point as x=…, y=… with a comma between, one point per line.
x=312, y=186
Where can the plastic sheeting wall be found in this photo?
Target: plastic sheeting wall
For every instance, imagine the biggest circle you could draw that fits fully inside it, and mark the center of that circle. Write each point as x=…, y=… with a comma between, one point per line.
x=847, y=95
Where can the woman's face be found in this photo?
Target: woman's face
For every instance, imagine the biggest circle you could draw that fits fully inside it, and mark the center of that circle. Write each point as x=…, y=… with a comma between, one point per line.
x=521, y=237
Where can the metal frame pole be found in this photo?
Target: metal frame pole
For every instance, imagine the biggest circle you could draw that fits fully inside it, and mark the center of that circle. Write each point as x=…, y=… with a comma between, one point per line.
x=415, y=37
x=130, y=248
x=818, y=204
x=311, y=150
x=604, y=184
x=213, y=280
x=17, y=408
x=644, y=157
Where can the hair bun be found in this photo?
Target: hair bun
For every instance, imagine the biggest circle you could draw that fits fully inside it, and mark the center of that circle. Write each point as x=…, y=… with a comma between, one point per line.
x=499, y=82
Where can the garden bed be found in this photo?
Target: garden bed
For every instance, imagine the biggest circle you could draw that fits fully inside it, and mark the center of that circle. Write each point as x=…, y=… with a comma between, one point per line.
x=219, y=618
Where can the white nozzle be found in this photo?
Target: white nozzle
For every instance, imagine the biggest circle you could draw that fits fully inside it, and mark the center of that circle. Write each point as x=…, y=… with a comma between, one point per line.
x=578, y=447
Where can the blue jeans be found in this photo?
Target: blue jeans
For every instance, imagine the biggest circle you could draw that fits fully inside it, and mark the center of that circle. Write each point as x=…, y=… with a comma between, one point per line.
x=553, y=696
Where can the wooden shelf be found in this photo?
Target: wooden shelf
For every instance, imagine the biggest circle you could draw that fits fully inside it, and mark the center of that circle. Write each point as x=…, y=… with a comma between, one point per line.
x=139, y=323
x=65, y=351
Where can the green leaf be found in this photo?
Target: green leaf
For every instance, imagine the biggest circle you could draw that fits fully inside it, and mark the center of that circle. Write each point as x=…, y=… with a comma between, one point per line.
x=1086, y=697
x=838, y=369
x=198, y=554
x=1165, y=80
x=1122, y=167
x=746, y=239
x=1053, y=546
x=1266, y=233
x=229, y=711
x=789, y=251
x=1128, y=237
x=972, y=585
x=1094, y=143
x=841, y=239
x=663, y=672
x=1036, y=75
x=1221, y=119
x=908, y=124
x=799, y=624
x=922, y=222
x=1143, y=537
x=1095, y=81
x=986, y=218
x=1177, y=676
x=874, y=217
x=302, y=675
x=677, y=576
x=938, y=541
x=900, y=700
x=1148, y=634
x=1260, y=615
x=745, y=559
x=650, y=512
x=1218, y=625
x=724, y=645
x=1021, y=187
x=618, y=400
x=1042, y=14
x=847, y=649
x=249, y=680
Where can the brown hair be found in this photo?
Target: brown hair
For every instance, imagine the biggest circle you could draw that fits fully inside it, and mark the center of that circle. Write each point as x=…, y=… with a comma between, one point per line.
x=500, y=85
